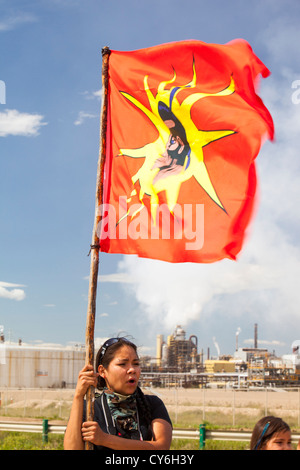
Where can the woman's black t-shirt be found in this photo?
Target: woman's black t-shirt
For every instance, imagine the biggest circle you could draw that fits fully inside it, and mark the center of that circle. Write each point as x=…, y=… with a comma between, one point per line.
x=103, y=417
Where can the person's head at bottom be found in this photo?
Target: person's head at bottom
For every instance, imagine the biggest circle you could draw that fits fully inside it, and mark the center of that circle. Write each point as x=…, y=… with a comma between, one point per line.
x=271, y=433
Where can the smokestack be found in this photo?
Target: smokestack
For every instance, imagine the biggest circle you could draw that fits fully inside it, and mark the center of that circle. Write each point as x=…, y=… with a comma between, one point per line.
x=237, y=338
x=159, y=342
x=255, y=335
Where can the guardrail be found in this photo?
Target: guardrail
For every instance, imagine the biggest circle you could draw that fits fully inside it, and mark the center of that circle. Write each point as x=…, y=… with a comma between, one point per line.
x=44, y=427
x=201, y=434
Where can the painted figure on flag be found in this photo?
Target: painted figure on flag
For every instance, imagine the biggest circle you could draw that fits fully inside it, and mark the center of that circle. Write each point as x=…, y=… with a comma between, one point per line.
x=177, y=154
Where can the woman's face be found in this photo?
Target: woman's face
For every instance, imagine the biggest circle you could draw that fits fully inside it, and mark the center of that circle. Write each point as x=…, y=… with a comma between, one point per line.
x=280, y=441
x=123, y=372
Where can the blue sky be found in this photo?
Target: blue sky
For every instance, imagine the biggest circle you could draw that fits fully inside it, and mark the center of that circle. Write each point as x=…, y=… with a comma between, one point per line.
x=50, y=72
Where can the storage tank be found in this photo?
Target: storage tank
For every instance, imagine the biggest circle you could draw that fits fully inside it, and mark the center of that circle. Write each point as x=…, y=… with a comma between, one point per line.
x=33, y=367
x=164, y=356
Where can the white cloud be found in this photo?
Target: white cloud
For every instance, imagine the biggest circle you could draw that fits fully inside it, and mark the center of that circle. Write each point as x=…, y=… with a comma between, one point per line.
x=91, y=95
x=178, y=293
x=82, y=116
x=115, y=277
x=10, y=291
x=98, y=94
x=14, y=21
x=264, y=342
x=13, y=122
x=281, y=38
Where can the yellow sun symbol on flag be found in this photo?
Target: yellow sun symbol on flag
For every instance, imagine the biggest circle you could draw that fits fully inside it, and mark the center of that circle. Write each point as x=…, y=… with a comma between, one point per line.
x=177, y=154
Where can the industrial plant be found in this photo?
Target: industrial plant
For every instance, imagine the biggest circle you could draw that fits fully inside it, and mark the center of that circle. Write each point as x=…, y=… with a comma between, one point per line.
x=179, y=362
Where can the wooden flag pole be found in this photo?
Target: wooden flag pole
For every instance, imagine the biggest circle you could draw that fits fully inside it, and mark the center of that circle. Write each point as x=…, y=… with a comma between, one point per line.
x=94, y=252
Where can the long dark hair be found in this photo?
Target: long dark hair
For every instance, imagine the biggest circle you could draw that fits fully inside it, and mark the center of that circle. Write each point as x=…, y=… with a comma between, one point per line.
x=105, y=355
x=264, y=430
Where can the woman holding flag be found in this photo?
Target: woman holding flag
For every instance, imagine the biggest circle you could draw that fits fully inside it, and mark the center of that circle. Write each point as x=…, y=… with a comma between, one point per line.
x=124, y=418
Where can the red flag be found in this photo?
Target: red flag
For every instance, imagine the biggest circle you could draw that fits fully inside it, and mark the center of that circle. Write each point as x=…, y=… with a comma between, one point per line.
x=184, y=128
